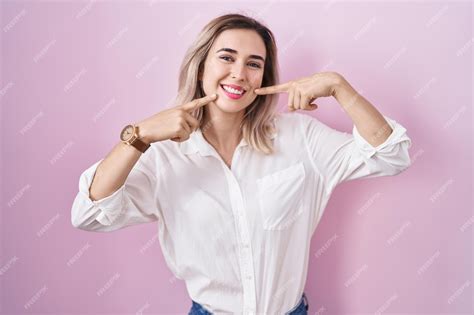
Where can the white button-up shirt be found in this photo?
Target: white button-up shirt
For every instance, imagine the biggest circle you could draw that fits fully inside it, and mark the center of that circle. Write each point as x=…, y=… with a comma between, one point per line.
x=240, y=237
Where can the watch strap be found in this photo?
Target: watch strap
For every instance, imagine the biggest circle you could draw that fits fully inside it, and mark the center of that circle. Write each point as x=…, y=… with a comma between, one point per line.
x=140, y=145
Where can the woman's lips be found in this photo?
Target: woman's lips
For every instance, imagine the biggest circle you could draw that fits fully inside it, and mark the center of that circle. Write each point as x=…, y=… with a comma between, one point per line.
x=231, y=95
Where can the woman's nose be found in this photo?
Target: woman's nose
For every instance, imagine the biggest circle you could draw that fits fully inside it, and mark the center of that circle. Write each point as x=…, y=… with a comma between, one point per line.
x=238, y=71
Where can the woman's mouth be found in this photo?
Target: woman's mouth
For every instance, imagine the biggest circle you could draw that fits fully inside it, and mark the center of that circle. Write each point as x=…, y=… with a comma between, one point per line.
x=232, y=93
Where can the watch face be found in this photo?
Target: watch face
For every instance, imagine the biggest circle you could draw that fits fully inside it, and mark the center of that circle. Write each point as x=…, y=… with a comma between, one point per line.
x=126, y=133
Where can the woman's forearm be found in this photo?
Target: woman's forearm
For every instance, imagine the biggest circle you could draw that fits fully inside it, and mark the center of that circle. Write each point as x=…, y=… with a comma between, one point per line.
x=370, y=123
x=113, y=171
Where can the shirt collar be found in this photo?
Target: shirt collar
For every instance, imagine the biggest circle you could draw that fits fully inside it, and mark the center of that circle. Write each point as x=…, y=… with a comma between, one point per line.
x=197, y=143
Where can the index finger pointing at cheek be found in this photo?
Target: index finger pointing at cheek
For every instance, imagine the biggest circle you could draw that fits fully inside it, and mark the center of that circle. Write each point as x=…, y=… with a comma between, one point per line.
x=272, y=89
x=199, y=102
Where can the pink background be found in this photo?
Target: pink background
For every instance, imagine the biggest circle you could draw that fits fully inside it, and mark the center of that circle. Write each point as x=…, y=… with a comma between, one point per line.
x=74, y=73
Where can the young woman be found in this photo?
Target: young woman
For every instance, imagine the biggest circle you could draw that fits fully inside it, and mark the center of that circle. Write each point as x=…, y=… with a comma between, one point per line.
x=238, y=189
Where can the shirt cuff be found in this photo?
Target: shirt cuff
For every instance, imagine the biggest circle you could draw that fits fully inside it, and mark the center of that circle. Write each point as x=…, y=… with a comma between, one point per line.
x=110, y=207
x=398, y=135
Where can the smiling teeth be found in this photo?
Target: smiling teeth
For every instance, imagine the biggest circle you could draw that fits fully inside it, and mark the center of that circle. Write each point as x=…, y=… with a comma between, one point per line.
x=231, y=90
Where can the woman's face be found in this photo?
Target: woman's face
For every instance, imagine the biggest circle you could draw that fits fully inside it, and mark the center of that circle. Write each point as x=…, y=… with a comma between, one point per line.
x=237, y=58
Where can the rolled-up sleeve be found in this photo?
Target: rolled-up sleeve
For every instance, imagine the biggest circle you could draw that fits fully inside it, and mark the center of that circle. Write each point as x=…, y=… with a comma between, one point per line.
x=340, y=156
x=133, y=203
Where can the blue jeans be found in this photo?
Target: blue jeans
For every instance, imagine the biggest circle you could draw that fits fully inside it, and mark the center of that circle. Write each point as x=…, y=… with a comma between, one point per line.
x=300, y=309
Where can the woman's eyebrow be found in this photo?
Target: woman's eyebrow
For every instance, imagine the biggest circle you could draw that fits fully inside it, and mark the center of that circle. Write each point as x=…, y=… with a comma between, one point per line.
x=233, y=51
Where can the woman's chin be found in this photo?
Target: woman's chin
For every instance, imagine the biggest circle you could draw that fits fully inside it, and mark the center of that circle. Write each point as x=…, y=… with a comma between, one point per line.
x=230, y=106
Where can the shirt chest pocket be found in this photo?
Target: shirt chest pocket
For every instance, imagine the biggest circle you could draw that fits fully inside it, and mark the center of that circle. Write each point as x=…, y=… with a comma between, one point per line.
x=280, y=197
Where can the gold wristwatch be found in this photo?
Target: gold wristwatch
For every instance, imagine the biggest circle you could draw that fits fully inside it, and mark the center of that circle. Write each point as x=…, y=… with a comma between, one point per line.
x=129, y=135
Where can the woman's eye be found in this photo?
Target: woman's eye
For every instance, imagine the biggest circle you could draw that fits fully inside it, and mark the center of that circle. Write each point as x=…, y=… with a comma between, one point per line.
x=255, y=65
x=224, y=57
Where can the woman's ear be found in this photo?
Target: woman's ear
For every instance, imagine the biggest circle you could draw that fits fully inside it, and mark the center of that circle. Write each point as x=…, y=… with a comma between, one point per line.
x=200, y=74
x=200, y=71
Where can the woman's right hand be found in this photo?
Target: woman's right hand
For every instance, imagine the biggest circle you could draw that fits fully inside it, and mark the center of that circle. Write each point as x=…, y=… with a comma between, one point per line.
x=175, y=123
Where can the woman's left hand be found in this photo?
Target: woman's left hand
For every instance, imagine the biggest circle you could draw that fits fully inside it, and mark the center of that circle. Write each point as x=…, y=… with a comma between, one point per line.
x=302, y=92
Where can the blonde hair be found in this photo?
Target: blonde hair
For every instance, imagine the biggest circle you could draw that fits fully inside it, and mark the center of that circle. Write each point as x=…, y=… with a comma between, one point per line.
x=258, y=123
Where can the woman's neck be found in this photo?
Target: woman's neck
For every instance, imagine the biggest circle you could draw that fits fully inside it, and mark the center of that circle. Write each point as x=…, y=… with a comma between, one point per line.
x=222, y=130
